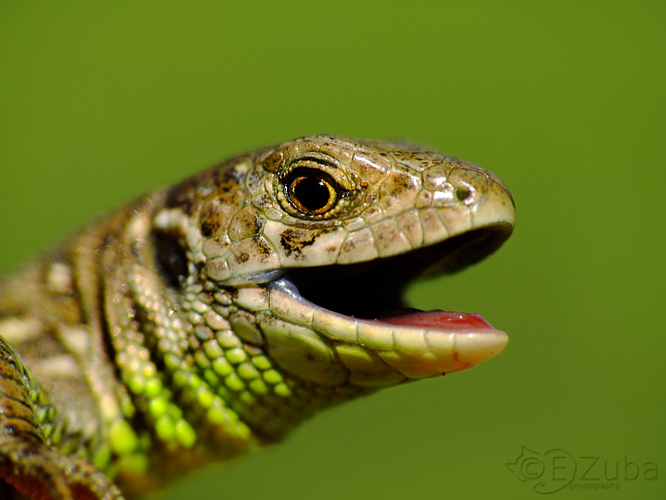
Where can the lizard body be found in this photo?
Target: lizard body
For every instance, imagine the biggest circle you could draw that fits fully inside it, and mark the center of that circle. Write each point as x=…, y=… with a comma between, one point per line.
x=210, y=318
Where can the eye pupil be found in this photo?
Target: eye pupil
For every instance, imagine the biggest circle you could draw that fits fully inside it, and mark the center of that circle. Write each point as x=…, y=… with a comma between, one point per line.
x=312, y=193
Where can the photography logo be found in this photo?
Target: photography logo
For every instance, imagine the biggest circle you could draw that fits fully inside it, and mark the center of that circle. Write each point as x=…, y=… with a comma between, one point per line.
x=558, y=469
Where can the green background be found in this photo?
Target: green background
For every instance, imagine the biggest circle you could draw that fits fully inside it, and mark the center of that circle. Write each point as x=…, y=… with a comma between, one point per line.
x=564, y=100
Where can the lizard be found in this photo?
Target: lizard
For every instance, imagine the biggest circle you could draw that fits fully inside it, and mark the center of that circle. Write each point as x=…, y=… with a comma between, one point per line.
x=210, y=318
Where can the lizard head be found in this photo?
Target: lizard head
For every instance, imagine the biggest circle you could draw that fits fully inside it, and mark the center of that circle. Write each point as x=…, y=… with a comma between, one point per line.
x=304, y=250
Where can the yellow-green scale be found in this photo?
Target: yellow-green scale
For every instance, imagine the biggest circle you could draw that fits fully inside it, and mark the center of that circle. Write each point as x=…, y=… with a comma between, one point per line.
x=58, y=432
x=199, y=388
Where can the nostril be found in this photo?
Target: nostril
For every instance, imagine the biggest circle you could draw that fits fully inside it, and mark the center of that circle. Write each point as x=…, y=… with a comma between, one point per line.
x=469, y=185
x=463, y=193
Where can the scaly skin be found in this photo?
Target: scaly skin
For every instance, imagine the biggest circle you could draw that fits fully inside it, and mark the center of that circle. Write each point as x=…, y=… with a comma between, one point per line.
x=172, y=333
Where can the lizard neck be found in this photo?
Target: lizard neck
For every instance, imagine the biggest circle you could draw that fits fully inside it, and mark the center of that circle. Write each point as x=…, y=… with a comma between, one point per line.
x=197, y=383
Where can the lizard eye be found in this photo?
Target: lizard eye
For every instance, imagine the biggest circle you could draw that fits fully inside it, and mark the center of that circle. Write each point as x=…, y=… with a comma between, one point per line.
x=312, y=192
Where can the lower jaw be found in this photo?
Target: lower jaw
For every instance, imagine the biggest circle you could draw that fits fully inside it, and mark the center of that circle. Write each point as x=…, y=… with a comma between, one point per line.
x=415, y=345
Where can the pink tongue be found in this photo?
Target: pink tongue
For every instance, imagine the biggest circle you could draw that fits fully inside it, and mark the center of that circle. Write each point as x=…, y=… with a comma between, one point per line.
x=447, y=320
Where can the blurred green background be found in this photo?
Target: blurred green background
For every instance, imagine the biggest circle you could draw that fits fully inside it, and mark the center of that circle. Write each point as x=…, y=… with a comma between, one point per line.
x=564, y=100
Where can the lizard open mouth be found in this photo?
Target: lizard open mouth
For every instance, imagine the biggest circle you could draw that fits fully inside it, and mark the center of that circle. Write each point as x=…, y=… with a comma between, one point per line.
x=374, y=290
x=362, y=305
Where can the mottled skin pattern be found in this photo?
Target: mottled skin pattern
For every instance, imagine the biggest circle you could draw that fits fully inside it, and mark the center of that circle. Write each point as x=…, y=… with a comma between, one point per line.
x=173, y=332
